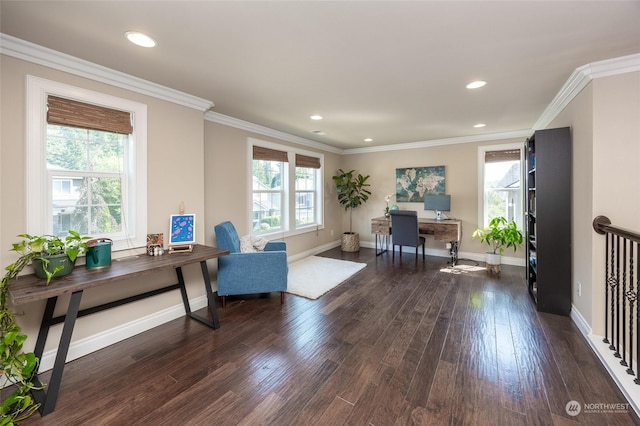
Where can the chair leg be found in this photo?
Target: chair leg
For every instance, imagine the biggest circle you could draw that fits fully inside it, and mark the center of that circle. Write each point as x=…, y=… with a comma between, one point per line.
x=282, y=297
x=224, y=301
x=393, y=253
x=423, y=252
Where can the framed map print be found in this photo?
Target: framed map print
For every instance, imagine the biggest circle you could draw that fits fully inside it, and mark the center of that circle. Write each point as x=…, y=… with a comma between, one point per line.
x=413, y=182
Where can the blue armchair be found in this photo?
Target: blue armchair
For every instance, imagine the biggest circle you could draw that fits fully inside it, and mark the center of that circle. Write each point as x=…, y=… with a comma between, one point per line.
x=249, y=273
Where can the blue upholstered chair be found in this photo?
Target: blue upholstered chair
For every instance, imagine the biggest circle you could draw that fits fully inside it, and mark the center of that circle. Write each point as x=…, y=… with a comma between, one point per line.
x=405, y=232
x=249, y=273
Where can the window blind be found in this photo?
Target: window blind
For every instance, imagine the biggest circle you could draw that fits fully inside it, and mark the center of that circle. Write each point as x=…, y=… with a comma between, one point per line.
x=306, y=161
x=503, y=155
x=268, y=154
x=67, y=112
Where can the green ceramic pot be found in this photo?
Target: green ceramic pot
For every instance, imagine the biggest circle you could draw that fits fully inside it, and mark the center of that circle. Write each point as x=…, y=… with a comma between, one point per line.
x=53, y=262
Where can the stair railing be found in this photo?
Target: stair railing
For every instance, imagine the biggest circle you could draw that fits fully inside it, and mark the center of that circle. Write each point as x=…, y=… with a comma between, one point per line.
x=622, y=290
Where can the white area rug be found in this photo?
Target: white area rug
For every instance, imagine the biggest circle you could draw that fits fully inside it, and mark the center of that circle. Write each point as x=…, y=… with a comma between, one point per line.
x=313, y=276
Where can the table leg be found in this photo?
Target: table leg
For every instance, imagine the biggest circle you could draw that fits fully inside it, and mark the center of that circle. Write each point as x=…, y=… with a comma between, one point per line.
x=215, y=322
x=210, y=300
x=47, y=399
x=385, y=248
x=453, y=252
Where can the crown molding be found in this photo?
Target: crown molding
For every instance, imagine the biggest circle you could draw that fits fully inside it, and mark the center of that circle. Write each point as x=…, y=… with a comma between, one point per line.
x=21, y=49
x=266, y=131
x=580, y=78
x=446, y=141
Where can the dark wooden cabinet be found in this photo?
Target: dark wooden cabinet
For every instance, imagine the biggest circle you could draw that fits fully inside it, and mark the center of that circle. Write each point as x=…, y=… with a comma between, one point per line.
x=548, y=219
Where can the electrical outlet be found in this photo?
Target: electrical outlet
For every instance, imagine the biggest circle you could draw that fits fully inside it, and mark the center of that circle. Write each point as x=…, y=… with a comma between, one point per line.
x=579, y=288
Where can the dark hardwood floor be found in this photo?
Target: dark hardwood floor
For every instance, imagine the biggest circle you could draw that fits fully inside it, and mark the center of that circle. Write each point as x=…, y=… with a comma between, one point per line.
x=394, y=345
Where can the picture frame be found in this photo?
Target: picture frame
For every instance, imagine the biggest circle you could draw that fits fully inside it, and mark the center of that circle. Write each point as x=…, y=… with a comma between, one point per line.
x=182, y=229
x=412, y=183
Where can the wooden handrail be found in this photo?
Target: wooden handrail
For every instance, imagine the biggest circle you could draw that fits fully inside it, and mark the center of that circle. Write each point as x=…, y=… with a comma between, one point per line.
x=602, y=225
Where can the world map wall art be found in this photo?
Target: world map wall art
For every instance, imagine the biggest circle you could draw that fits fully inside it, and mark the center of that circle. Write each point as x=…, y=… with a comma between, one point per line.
x=413, y=182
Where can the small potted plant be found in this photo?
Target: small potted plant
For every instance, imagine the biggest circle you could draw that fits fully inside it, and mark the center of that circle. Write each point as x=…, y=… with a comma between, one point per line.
x=499, y=235
x=352, y=192
x=52, y=256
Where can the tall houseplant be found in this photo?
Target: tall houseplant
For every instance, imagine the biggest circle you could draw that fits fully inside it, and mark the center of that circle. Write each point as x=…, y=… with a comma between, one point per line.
x=499, y=235
x=352, y=192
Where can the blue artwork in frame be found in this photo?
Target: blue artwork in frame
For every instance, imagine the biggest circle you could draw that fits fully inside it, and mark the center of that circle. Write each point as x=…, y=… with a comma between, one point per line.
x=183, y=229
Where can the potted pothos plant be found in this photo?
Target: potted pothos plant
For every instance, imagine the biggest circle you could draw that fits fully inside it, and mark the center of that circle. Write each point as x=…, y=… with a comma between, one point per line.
x=499, y=235
x=352, y=192
x=16, y=366
x=52, y=256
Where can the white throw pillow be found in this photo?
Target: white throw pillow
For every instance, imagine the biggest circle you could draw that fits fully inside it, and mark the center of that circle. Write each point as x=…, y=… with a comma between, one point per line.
x=246, y=245
x=259, y=243
x=251, y=244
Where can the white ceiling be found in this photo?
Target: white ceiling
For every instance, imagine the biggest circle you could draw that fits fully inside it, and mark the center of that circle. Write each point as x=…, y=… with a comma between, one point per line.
x=394, y=71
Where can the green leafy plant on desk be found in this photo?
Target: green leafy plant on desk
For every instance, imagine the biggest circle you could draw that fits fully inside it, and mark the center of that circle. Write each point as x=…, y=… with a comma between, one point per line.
x=16, y=366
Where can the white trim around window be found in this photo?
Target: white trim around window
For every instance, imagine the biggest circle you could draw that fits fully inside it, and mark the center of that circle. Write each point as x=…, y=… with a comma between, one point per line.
x=36, y=172
x=481, y=176
x=289, y=226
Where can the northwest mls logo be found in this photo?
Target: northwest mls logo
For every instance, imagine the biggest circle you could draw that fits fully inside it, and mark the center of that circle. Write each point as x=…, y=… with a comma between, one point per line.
x=573, y=408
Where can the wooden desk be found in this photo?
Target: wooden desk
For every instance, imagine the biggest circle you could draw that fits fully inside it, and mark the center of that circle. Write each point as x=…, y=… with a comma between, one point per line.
x=29, y=288
x=442, y=230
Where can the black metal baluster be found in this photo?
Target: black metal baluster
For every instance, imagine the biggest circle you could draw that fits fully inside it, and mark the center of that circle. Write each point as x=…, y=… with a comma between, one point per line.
x=637, y=380
x=610, y=283
x=624, y=339
x=606, y=288
x=616, y=306
x=631, y=295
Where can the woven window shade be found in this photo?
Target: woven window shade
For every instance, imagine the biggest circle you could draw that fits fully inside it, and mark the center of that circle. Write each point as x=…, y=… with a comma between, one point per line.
x=65, y=112
x=267, y=154
x=504, y=155
x=306, y=161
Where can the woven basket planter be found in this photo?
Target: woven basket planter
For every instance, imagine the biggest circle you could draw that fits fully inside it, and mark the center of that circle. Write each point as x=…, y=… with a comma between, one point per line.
x=350, y=242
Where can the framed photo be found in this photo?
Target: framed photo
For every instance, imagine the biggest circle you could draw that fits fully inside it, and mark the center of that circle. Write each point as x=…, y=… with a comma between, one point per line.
x=182, y=229
x=412, y=183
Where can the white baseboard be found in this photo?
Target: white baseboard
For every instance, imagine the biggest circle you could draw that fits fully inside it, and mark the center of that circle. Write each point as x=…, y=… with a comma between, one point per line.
x=477, y=257
x=106, y=338
x=313, y=251
x=612, y=364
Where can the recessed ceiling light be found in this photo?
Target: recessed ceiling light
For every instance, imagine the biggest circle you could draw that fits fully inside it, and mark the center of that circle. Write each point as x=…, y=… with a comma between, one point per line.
x=316, y=117
x=140, y=39
x=476, y=84
x=477, y=126
x=368, y=140
x=319, y=132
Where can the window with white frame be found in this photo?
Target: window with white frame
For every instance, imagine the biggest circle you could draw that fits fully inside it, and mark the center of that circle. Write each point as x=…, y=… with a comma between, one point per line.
x=86, y=162
x=500, y=180
x=286, y=188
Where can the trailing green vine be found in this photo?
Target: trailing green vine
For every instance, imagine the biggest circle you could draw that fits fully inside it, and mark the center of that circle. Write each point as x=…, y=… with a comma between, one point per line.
x=16, y=366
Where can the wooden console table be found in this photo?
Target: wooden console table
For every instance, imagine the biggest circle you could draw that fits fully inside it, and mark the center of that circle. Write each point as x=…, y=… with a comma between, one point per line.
x=29, y=288
x=442, y=230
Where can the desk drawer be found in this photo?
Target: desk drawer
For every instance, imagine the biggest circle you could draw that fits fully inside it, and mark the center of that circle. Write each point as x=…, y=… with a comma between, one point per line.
x=380, y=228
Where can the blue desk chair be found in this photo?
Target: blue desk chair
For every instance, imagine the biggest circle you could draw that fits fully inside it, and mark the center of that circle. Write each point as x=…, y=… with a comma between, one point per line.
x=249, y=273
x=405, y=232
